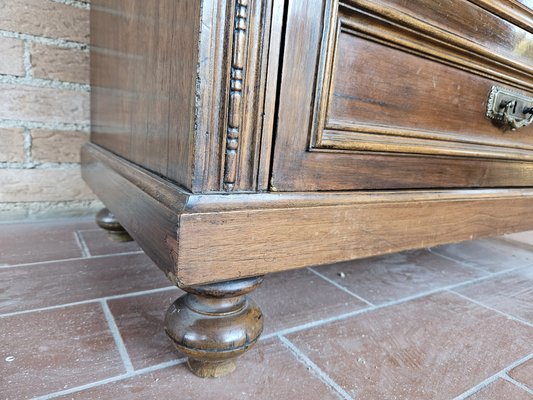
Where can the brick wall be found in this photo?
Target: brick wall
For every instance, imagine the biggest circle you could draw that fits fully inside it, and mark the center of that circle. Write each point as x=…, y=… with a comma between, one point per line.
x=44, y=107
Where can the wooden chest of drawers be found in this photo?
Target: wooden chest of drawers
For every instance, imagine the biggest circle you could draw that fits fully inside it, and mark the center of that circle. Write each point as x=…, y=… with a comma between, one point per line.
x=233, y=138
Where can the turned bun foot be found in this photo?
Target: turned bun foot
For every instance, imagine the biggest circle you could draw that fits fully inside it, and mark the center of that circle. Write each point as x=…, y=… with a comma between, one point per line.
x=214, y=324
x=116, y=232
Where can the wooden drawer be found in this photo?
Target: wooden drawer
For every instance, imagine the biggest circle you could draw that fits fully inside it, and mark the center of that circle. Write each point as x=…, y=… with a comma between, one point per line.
x=393, y=94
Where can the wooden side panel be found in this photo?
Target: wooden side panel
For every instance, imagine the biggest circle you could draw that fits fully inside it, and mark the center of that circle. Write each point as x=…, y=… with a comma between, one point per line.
x=178, y=87
x=144, y=56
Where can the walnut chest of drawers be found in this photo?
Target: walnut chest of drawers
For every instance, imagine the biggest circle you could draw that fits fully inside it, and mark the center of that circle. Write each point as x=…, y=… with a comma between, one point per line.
x=234, y=138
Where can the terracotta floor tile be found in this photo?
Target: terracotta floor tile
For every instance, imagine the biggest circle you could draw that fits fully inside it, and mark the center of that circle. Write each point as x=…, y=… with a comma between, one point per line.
x=140, y=322
x=99, y=244
x=37, y=242
x=491, y=255
x=523, y=374
x=391, y=277
x=268, y=372
x=44, y=285
x=436, y=347
x=524, y=237
x=501, y=390
x=511, y=293
x=56, y=349
x=293, y=298
x=432, y=348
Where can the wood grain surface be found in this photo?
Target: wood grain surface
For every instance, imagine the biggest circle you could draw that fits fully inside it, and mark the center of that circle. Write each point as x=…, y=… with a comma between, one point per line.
x=414, y=98
x=143, y=76
x=253, y=242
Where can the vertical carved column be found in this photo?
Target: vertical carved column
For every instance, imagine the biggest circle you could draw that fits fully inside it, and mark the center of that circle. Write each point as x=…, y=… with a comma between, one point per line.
x=237, y=81
x=214, y=324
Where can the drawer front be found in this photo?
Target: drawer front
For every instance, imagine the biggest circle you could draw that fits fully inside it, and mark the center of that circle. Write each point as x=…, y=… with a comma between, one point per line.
x=394, y=94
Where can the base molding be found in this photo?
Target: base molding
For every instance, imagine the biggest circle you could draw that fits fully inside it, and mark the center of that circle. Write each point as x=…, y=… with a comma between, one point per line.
x=202, y=238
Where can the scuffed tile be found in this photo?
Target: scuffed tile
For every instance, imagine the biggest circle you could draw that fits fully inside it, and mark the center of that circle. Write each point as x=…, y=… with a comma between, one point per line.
x=394, y=276
x=501, y=390
x=523, y=373
x=490, y=255
x=56, y=349
x=436, y=347
x=511, y=293
x=140, y=320
x=267, y=372
x=98, y=243
x=297, y=297
x=523, y=237
x=41, y=241
x=44, y=285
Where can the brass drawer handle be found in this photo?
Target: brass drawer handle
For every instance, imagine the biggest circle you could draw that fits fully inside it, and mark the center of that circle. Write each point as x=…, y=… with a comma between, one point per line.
x=510, y=109
x=513, y=122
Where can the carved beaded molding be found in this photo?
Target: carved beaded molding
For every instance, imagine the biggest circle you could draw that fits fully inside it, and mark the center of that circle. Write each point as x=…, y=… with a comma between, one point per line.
x=238, y=72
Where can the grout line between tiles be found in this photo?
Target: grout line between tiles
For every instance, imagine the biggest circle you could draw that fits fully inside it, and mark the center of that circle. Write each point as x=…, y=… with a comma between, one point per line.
x=478, y=387
x=90, y=230
x=289, y=330
x=90, y=301
x=489, y=276
x=315, y=368
x=119, y=342
x=509, y=316
x=319, y=322
x=490, y=379
x=82, y=244
x=117, y=378
x=127, y=253
x=350, y=314
x=49, y=220
x=516, y=383
x=518, y=243
x=280, y=334
x=339, y=286
x=460, y=262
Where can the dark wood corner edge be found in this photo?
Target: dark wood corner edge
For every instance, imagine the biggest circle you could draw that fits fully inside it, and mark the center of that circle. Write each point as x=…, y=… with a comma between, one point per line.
x=147, y=206
x=198, y=239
